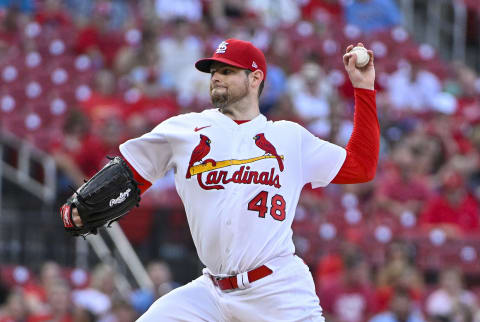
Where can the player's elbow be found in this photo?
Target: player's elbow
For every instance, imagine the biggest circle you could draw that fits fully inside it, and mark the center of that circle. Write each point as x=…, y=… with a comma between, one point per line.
x=370, y=168
x=368, y=174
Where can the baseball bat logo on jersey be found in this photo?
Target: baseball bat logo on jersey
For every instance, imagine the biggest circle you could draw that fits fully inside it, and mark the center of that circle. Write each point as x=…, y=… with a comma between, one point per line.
x=216, y=179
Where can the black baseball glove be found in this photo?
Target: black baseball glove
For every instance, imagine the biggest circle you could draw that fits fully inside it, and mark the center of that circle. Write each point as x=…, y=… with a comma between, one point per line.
x=107, y=196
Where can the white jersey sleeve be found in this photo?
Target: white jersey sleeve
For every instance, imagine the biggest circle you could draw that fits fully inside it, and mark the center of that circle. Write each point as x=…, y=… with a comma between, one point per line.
x=151, y=154
x=321, y=160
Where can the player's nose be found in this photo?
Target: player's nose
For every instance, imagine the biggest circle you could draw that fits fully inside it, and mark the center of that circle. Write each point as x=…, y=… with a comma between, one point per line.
x=216, y=77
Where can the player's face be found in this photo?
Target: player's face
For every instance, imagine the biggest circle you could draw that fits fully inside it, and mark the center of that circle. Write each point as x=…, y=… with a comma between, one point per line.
x=228, y=85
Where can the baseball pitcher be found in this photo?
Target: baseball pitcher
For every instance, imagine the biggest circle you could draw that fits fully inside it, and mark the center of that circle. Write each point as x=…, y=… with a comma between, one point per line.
x=239, y=176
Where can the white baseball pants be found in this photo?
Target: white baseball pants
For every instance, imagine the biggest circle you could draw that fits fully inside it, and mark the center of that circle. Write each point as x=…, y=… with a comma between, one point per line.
x=288, y=294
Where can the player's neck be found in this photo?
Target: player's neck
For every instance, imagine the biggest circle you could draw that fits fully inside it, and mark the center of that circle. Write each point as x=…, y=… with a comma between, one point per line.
x=244, y=109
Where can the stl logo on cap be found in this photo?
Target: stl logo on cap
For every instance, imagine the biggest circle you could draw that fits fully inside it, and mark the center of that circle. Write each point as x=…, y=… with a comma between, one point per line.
x=222, y=47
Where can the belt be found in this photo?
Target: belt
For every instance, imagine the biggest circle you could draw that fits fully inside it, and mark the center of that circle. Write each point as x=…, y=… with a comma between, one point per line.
x=241, y=281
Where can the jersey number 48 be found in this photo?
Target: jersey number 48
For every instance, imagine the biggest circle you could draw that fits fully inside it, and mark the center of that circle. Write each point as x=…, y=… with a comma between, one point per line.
x=259, y=204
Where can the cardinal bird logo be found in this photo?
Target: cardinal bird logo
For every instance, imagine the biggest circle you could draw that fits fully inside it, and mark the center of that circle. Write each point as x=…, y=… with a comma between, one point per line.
x=200, y=151
x=268, y=147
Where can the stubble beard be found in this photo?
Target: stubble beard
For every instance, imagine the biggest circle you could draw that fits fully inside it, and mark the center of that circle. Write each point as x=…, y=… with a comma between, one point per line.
x=226, y=98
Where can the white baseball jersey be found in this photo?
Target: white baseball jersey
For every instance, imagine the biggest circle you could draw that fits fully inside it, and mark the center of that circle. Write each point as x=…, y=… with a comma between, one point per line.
x=239, y=184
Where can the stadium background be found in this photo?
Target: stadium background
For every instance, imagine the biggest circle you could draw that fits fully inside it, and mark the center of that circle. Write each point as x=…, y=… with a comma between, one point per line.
x=78, y=77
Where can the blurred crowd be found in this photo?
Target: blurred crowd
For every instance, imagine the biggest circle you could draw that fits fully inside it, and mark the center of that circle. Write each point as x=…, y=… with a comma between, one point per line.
x=77, y=78
x=346, y=290
x=54, y=293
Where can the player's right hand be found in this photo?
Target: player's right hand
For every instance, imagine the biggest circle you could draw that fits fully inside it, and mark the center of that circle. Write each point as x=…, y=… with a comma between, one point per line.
x=360, y=77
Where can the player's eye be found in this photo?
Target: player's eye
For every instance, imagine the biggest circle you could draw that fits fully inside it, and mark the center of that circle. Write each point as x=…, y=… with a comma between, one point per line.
x=224, y=71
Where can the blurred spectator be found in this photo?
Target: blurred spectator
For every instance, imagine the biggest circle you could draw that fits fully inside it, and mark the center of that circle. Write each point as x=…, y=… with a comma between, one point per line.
x=146, y=98
x=14, y=308
x=451, y=301
x=468, y=96
x=350, y=299
x=118, y=12
x=121, y=311
x=103, y=101
x=97, y=40
x=398, y=272
x=313, y=98
x=78, y=153
x=252, y=29
x=111, y=133
x=8, y=30
x=321, y=9
x=447, y=130
x=190, y=10
x=428, y=147
x=58, y=306
x=401, y=309
x=161, y=277
x=35, y=294
x=275, y=13
x=144, y=70
x=474, y=177
x=177, y=54
x=97, y=299
x=53, y=15
x=453, y=209
x=280, y=53
x=219, y=12
x=329, y=270
x=275, y=85
x=413, y=88
x=284, y=110
x=402, y=188
x=372, y=15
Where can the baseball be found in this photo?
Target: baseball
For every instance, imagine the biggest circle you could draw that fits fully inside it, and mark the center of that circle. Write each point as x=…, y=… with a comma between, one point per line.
x=362, y=56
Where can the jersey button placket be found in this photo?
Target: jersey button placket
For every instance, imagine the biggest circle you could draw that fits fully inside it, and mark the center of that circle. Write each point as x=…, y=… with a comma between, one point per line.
x=239, y=151
x=227, y=232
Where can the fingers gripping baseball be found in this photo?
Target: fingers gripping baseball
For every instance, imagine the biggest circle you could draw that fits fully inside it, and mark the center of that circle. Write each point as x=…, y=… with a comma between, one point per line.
x=361, y=77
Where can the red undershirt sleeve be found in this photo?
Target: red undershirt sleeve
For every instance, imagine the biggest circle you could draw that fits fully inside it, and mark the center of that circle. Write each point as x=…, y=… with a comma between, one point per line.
x=143, y=183
x=364, y=144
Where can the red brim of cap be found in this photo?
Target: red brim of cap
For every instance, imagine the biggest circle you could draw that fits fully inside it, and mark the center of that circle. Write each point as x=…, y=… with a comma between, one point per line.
x=203, y=65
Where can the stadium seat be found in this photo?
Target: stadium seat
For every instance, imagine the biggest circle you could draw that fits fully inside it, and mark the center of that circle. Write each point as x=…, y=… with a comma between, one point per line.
x=15, y=275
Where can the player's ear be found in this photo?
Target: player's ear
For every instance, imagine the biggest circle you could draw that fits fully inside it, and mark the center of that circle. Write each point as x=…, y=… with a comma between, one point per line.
x=256, y=78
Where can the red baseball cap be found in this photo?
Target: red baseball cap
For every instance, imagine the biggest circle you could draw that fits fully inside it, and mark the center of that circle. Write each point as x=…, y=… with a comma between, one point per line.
x=238, y=53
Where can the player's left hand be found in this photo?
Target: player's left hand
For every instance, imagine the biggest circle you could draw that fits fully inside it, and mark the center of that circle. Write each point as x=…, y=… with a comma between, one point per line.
x=360, y=77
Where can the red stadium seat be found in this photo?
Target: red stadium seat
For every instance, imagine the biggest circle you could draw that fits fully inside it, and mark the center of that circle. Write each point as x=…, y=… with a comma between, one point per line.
x=14, y=275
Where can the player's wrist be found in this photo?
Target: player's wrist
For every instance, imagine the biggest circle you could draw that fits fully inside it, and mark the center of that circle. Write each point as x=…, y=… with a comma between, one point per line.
x=364, y=86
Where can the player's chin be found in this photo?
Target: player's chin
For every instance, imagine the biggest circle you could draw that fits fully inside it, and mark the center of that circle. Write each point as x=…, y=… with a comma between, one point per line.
x=219, y=100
